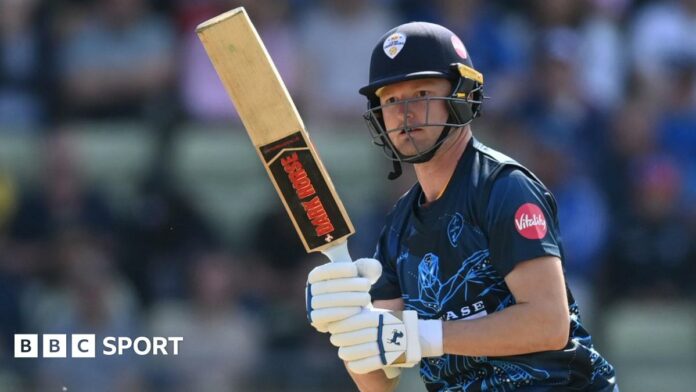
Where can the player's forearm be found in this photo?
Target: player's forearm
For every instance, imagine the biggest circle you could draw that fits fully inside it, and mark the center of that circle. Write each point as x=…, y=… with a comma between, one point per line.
x=520, y=329
x=375, y=381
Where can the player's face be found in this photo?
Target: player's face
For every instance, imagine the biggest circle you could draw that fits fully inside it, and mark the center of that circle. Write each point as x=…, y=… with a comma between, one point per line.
x=406, y=113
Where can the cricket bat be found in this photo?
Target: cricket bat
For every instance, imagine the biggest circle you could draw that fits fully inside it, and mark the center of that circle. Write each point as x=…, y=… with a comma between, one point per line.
x=279, y=135
x=277, y=132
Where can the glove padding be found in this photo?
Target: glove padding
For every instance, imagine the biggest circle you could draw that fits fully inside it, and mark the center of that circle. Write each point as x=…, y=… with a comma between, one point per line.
x=336, y=291
x=377, y=338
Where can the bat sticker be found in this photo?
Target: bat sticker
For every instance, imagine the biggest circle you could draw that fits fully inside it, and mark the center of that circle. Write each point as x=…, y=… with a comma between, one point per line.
x=304, y=189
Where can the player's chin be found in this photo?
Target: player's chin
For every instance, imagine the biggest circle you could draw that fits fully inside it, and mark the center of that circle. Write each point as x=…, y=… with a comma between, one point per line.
x=410, y=149
x=412, y=144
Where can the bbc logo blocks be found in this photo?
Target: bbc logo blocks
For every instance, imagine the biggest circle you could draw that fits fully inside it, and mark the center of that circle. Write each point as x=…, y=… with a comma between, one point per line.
x=26, y=346
x=85, y=345
x=54, y=346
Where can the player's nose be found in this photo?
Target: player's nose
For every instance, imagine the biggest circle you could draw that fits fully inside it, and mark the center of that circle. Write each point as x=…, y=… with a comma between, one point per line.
x=405, y=112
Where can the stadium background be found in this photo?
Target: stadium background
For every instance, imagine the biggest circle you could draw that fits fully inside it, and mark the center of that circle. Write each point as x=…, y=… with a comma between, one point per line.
x=132, y=203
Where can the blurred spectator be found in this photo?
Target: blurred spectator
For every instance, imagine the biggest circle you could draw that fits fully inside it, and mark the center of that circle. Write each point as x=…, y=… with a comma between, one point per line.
x=8, y=196
x=12, y=281
x=10, y=277
x=337, y=39
x=161, y=233
x=288, y=248
x=652, y=252
x=222, y=342
x=677, y=125
x=284, y=263
x=203, y=95
x=601, y=62
x=661, y=33
x=497, y=42
x=556, y=14
x=24, y=67
x=631, y=136
x=284, y=266
x=554, y=108
x=60, y=201
x=116, y=61
x=81, y=292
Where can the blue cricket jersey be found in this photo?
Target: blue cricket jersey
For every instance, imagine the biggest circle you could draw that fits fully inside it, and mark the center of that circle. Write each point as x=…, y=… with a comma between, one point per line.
x=448, y=261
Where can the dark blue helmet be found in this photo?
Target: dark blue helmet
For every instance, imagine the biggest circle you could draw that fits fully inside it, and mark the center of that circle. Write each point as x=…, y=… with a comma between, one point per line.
x=419, y=50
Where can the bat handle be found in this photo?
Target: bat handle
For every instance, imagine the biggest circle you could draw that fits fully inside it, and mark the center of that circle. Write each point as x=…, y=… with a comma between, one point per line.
x=338, y=253
x=391, y=372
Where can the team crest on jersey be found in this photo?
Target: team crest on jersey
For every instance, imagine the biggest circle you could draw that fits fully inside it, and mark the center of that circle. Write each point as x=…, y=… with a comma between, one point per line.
x=454, y=229
x=393, y=44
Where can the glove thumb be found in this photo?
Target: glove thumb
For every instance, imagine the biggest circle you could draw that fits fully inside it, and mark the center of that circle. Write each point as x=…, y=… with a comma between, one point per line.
x=369, y=268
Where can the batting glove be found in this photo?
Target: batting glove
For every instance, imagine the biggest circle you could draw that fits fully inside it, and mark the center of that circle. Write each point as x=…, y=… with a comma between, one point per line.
x=336, y=291
x=377, y=339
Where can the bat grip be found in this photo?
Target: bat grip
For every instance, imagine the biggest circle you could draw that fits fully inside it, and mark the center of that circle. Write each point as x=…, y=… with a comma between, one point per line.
x=338, y=253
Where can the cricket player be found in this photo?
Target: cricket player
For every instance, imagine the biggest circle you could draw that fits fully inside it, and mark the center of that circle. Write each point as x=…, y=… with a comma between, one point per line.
x=467, y=279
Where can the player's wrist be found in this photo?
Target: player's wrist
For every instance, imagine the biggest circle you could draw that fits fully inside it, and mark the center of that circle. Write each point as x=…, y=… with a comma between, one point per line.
x=430, y=337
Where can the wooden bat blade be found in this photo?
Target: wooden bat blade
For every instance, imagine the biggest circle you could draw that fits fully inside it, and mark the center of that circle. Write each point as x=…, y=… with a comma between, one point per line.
x=276, y=129
x=249, y=76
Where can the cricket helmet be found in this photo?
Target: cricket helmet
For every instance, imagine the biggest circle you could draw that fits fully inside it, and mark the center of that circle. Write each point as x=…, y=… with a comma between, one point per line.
x=420, y=50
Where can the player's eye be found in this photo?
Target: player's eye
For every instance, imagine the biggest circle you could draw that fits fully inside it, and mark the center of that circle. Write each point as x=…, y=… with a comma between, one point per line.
x=390, y=100
x=423, y=93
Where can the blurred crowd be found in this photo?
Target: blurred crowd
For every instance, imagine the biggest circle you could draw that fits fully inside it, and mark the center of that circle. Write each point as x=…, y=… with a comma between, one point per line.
x=598, y=97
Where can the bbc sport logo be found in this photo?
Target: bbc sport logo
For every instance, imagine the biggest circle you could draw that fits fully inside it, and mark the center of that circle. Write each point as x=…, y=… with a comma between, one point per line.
x=85, y=345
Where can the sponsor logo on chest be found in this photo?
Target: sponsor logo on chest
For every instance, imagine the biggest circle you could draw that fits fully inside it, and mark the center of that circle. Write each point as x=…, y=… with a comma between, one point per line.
x=471, y=312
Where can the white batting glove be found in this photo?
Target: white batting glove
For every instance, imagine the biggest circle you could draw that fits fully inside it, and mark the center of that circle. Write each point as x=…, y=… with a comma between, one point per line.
x=378, y=339
x=336, y=291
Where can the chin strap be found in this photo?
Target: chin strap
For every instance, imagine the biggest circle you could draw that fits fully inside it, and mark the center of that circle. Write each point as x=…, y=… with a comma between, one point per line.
x=396, y=173
x=396, y=162
x=421, y=158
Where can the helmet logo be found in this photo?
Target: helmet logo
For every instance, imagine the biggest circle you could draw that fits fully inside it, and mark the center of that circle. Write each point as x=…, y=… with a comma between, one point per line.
x=459, y=47
x=393, y=44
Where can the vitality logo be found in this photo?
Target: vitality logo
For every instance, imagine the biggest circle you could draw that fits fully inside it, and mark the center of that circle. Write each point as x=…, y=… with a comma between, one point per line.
x=530, y=222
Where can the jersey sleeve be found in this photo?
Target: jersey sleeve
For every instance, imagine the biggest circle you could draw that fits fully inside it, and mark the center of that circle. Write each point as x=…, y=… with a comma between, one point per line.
x=520, y=221
x=387, y=286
